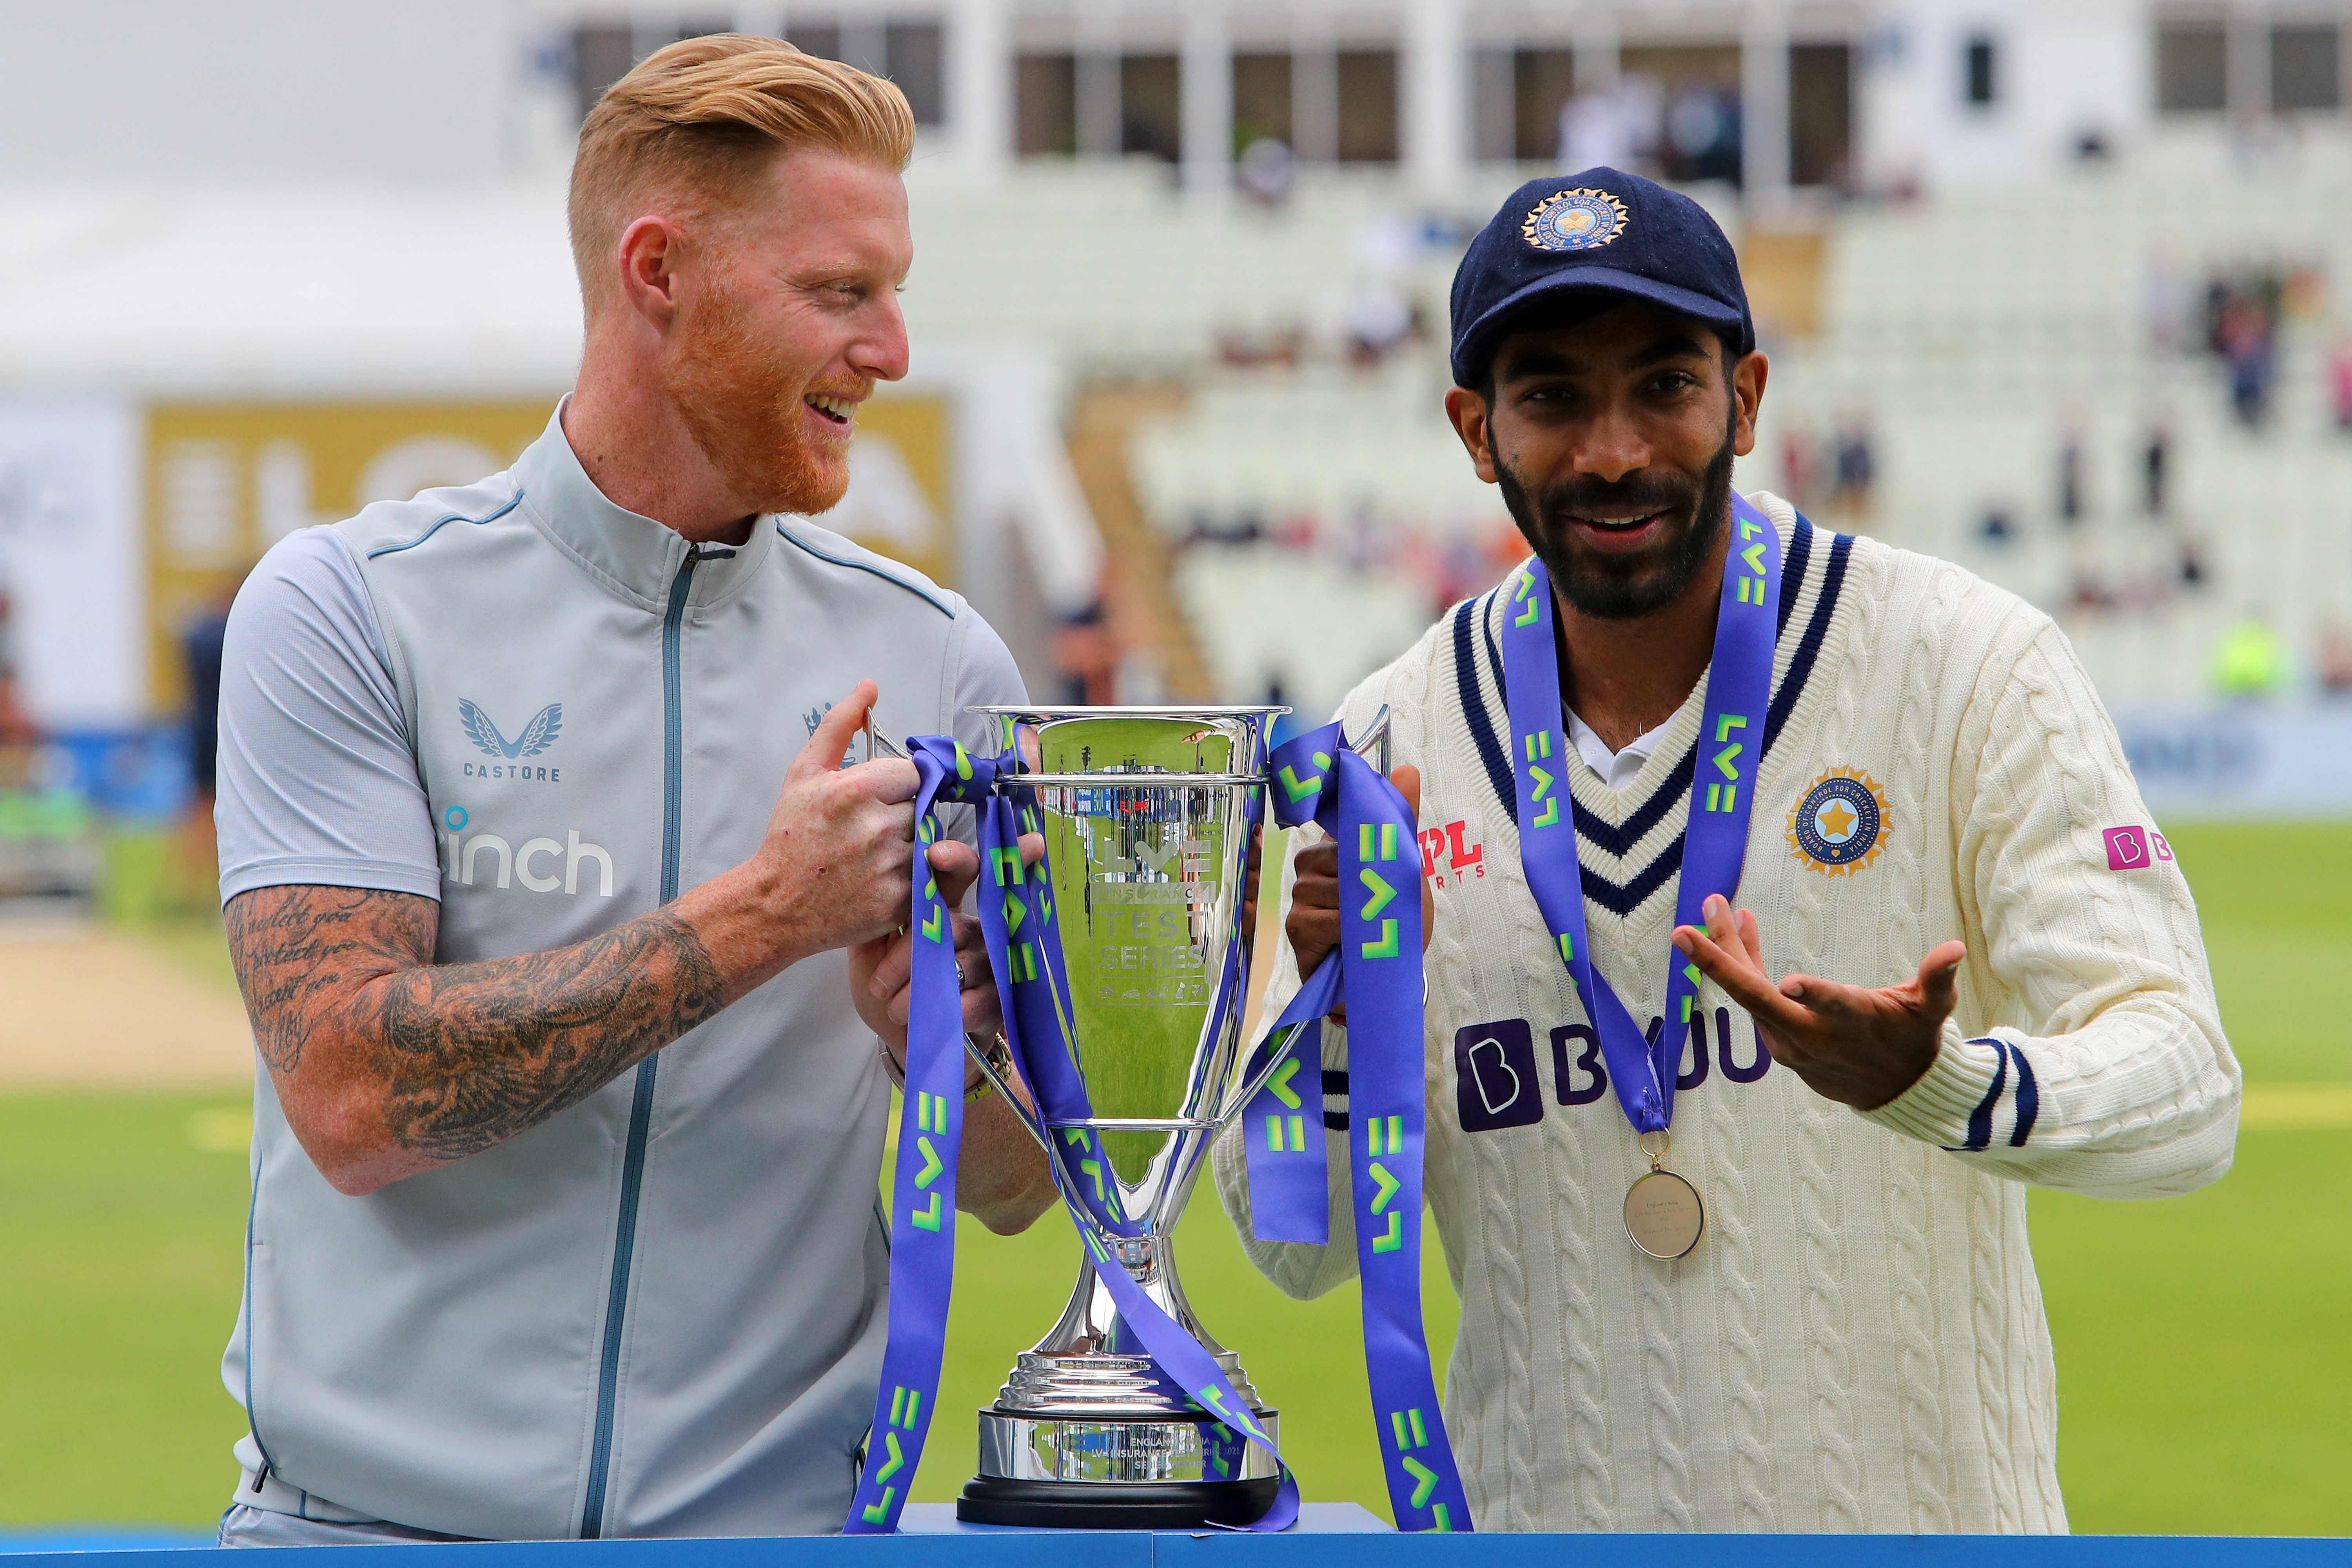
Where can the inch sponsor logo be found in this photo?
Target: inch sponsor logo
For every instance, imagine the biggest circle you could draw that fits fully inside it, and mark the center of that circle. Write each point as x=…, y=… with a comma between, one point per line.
x=537, y=865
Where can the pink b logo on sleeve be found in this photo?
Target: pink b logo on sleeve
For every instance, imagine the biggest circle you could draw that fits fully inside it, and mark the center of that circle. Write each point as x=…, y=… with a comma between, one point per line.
x=2126, y=848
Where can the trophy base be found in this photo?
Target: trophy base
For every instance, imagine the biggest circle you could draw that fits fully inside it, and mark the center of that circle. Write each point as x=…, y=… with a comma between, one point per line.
x=1114, y=1505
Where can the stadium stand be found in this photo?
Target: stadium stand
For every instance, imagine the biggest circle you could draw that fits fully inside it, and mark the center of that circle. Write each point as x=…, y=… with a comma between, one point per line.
x=1318, y=513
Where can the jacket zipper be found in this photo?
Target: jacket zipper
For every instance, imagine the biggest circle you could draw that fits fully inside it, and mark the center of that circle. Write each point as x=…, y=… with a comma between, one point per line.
x=641, y=1099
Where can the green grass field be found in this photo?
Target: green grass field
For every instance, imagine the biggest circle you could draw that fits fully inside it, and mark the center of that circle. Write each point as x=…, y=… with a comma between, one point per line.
x=2201, y=1354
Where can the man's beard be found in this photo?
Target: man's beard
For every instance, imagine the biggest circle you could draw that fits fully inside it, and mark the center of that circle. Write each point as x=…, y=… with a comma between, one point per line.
x=1622, y=588
x=744, y=411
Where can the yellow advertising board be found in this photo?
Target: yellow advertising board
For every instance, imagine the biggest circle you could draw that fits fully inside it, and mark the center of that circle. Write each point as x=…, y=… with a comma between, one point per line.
x=227, y=480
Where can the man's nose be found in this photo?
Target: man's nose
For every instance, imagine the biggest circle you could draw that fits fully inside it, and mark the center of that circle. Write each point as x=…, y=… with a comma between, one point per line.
x=880, y=350
x=1610, y=447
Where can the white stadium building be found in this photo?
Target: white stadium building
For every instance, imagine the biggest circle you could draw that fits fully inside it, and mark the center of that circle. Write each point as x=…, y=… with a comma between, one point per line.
x=1179, y=302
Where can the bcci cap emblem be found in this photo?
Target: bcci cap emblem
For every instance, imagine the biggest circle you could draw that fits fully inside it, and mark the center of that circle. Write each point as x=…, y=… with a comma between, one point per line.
x=1840, y=825
x=1582, y=219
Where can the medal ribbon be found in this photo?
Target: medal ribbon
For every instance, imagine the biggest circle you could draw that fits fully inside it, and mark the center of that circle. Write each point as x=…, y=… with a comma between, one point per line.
x=1714, y=841
x=1019, y=921
x=1377, y=968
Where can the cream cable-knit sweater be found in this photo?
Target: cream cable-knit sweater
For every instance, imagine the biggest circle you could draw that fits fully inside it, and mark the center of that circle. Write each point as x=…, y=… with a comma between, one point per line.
x=1858, y=1341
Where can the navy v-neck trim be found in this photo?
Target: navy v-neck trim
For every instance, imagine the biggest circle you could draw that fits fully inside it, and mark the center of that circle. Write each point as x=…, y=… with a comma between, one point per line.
x=1618, y=839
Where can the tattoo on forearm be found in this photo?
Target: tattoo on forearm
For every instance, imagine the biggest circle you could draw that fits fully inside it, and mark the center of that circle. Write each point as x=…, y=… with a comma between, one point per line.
x=475, y=1053
x=466, y=1056
x=298, y=949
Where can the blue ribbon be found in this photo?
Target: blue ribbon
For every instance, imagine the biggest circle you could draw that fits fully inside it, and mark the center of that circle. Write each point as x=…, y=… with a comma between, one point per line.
x=1020, y=923
x=1378, y=969
x=1723, y=791
x=930, y=1137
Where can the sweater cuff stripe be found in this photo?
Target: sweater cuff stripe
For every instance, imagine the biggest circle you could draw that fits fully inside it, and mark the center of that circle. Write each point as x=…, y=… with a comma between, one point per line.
x=1981, y=1119
x=2029, y=1098
x=1943, y=1106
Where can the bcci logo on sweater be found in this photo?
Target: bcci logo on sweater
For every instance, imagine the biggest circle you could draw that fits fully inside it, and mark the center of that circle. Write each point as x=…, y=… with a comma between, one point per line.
x=1840, y=825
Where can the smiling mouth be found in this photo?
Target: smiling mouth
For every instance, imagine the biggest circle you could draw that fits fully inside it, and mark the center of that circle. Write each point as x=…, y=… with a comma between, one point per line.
x=1618, y=524
x=838, y=410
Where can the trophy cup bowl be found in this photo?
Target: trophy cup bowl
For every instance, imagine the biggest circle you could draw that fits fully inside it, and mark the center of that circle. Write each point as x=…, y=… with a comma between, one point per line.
x=1147, y=815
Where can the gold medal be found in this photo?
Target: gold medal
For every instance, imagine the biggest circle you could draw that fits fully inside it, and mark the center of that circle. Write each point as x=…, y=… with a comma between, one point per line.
x=1664, y=1216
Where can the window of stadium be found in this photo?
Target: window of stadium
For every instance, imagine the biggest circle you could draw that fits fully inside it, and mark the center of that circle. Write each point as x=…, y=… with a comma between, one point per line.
x=1821, y=114
x=1542, y=81
x=2192, y=68
x=1367, y=105
x=601, y=53
x=1983, y=89
x=908, y=53
x=2305, y=65
x=1262, y=100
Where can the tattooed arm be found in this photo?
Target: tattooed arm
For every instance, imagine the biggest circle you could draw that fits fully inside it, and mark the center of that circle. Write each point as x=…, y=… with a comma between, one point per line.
x=388, y=1064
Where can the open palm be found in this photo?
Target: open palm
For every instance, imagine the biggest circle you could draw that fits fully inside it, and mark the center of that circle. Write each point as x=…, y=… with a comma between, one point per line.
x=1856, y=1045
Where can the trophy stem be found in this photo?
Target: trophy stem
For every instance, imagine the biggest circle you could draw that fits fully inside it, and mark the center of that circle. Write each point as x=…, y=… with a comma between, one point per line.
x=1085, y=1435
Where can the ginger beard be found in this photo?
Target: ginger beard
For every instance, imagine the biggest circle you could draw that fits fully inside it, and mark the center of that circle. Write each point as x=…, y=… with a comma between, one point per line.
x=743, y=406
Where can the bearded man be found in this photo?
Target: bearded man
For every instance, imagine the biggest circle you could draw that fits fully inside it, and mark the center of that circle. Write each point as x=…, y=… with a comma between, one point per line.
x=564, y=1217
x=1734, y=1196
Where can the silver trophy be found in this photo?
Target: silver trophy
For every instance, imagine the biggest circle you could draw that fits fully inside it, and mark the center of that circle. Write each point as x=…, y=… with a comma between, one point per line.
x=1147, y=816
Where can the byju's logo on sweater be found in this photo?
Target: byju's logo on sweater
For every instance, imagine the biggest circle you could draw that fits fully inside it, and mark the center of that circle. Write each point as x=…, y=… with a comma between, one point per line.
x=536, y=736
x=1495, y=1076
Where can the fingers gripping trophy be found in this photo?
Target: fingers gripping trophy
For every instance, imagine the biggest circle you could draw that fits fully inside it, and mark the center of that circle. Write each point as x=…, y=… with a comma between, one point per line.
x=1121, y=971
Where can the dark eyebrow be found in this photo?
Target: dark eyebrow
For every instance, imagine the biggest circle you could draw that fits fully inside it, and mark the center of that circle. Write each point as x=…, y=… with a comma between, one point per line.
x=1538, y=362
x=1532, y=362
x=1673, y=346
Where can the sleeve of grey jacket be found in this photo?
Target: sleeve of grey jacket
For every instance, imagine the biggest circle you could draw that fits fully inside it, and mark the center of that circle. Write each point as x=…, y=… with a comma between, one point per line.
x=987, y=677
x=317, y=780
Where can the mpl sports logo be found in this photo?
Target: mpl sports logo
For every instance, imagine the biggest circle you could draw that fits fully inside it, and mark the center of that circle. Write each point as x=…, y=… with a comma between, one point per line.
x=1448, y=857
x=536, y=737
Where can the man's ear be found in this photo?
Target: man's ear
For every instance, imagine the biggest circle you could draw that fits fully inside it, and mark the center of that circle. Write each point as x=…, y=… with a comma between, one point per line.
x=1469, y=411
x=649, y=253
x=1748, y=394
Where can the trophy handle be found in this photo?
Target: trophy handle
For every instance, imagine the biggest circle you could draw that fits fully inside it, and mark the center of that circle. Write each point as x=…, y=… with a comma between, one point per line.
x=1026, y=1115
x=1373, y=743
x=1374, y=746
x=878, y=744
x=1239, y=1102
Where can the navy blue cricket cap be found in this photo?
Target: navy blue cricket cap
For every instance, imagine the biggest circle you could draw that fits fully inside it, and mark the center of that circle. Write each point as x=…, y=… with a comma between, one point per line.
x=1598, y=232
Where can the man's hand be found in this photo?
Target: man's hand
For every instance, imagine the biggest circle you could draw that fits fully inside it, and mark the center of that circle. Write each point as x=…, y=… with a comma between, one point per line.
x=1857, y=1047
x=881, y=971
x=1314, y=924
x=1005, y=1181
x=835, y=865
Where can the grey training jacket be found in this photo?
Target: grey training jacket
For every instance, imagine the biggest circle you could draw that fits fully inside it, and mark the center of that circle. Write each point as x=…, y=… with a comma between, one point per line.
x=661, y=1312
